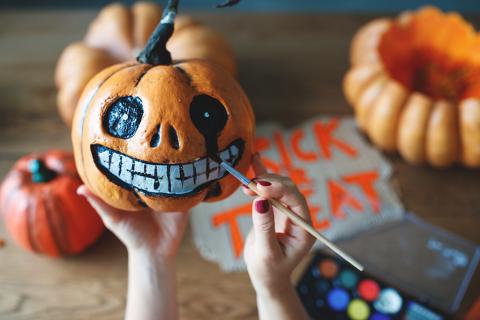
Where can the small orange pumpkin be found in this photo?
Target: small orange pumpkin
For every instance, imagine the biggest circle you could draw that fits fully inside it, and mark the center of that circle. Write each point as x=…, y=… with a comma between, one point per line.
x=415, y=87
x=41, y=208
x=117, y=35
x=143, y=131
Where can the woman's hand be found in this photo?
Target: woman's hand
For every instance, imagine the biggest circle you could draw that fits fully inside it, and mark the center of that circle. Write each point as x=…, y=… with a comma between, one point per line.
x=275, y=245
x=152, y=240
x=159, y=233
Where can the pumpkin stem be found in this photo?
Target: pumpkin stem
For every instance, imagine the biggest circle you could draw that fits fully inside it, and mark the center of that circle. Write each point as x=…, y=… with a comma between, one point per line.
x=155, y=52
x=40, y=172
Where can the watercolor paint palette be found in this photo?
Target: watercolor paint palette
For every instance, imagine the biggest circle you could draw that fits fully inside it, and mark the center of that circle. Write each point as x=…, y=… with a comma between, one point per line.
x=331, y=289
x=413, y=271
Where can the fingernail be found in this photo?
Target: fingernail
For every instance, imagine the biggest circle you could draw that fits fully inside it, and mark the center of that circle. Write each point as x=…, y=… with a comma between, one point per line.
x=262, y=206
x=264, y=183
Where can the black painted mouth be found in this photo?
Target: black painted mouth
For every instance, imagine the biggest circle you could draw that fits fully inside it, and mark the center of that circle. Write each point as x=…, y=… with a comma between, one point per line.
x=164, y=179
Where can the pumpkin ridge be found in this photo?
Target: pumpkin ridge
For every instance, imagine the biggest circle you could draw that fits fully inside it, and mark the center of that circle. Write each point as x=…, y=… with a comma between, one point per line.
x=56, y=230
x=412, y=128
x=10, y=195
x=437, y=130
x=366, y=83
x=87, y=107
x=400, y=108
x=185, y=74
x=367, y=99
x=144, y=73
x=31, y=217
x=469, y=134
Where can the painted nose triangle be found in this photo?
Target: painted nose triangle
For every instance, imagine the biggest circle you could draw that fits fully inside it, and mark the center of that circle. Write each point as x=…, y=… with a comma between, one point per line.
x=155, y=140
x=173, y=138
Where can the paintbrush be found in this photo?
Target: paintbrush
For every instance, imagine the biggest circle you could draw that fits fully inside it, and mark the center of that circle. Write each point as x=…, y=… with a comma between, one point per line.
x=289, y=213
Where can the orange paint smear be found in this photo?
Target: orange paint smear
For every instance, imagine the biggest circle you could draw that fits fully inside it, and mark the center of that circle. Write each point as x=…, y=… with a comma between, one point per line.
x=434, y=53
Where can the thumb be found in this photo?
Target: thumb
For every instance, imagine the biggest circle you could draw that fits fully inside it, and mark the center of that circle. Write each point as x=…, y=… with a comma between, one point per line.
x=264, y=226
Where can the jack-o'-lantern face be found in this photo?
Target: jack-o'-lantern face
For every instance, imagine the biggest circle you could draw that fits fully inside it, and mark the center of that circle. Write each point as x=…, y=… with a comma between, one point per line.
x=142, y=134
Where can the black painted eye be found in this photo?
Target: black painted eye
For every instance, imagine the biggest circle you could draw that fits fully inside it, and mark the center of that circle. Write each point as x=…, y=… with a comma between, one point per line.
x=123, y=117
x=208, y=115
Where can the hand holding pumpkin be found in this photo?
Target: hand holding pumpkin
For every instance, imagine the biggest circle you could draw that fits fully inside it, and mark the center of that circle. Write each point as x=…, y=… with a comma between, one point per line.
x=152, y=240
x=156, y=233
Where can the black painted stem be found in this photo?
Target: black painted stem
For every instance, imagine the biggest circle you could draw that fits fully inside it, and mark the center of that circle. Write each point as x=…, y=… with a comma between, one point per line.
x=155, y=52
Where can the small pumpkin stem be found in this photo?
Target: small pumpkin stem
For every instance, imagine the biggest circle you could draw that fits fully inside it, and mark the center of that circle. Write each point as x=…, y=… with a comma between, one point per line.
x=40, y=172
x=155, y=52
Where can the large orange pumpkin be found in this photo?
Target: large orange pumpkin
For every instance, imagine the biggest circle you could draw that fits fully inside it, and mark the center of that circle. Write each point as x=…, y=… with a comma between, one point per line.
x=415, y=87
x=143, y=131
x=41, y=208
x=117, y=35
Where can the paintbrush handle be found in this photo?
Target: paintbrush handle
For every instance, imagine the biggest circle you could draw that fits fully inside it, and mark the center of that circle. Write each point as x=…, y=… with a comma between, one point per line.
x=299, y=221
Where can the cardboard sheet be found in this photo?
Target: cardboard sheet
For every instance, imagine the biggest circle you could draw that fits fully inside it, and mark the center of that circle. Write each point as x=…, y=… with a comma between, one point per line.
x=345, y=181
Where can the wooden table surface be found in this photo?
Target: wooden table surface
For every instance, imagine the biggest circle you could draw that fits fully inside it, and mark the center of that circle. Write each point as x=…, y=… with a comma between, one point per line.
x=291, y=66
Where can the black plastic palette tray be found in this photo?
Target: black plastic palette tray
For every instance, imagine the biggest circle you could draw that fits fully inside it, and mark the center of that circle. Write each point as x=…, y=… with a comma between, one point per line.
x=428, y=267
x=331, y=289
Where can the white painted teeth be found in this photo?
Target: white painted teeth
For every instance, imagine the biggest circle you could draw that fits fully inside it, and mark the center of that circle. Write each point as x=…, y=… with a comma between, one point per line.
x=175, y=179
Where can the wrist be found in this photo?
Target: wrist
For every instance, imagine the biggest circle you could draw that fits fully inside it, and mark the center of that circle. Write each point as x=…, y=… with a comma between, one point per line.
x=274, y=290
x=150, y=257
x=151, y=286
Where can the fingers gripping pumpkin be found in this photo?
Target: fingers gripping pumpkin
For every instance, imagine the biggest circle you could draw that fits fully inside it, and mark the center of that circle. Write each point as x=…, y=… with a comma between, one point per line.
x=142, y=132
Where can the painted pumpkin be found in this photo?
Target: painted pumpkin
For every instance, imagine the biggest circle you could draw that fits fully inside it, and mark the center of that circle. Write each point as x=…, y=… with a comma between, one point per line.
x=117, y=35
x=415, y=87
x=41, y=208
x=143, y=131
